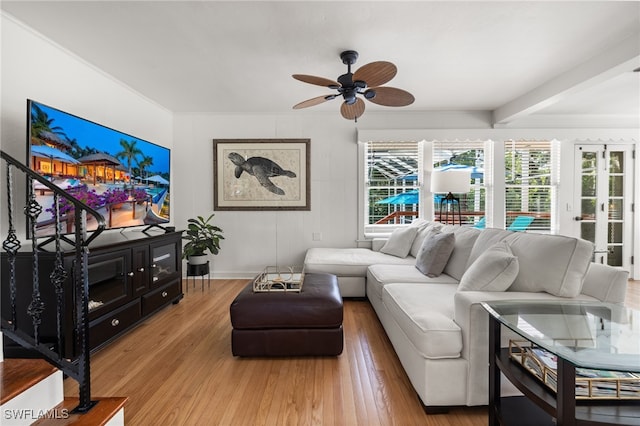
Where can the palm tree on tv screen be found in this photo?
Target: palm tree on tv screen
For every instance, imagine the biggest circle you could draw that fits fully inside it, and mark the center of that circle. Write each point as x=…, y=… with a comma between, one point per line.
x=143, y=164
x=40, y=122
x=129, y=153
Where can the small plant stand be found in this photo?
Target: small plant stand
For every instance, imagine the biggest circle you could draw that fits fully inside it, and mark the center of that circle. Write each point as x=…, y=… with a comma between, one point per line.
x=198, y=271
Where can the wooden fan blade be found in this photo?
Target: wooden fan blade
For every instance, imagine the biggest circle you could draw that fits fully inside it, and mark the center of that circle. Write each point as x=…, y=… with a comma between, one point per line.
x=351, y=112
x=375, y=73
x=390, y=96
x=318, y=81
x=313, y=101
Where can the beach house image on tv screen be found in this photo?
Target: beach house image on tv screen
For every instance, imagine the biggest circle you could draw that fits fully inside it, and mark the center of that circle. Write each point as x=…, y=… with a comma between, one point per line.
x=124, y=178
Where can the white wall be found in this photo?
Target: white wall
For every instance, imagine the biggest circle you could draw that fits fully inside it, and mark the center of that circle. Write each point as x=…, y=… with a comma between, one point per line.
x=34, y=67
x=251, y=238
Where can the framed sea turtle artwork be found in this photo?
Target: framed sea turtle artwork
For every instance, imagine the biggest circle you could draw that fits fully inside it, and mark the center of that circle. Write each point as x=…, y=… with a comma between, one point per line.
x=261, y=174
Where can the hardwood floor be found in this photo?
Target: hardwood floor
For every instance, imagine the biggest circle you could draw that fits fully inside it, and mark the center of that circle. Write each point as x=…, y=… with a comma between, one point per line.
x=177, y=369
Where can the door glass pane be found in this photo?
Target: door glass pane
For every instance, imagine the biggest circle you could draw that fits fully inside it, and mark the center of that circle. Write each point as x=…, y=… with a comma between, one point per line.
x=589, y=185
x=616, y=186
x=107, y=281
x=588, y=231
x=616, y=162
x=614, y=256
x=615, y=209
x=589, y=174
x=588, y=208
x=163, y=261
x=615, y=232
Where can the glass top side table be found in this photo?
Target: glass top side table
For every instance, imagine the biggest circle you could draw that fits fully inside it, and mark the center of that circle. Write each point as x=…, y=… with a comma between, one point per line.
x=581, y=334
x=588, y=334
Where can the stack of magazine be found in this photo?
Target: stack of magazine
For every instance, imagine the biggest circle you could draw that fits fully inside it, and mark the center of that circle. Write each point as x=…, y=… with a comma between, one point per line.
x=589, y=383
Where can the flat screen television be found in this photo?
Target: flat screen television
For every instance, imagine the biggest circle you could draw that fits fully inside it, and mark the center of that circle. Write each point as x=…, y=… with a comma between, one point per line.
x=124, y=178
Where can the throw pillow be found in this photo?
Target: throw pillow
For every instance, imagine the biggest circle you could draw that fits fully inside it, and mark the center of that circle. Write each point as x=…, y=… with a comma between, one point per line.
x=422, y=233
x=399, y=243
x=494, y=270
x=435, y=252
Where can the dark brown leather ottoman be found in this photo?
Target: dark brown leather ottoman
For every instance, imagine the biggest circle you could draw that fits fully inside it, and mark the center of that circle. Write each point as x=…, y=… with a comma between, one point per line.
x=308, y=323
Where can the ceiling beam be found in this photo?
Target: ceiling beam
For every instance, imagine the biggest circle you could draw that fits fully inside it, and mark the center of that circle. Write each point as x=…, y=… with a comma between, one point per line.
x=624, y=57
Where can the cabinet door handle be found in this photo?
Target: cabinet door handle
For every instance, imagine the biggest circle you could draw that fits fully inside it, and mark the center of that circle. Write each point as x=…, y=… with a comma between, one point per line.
x=131, y=274
x=140, y=269
x=165, y=294
x=115, y=322
x=154, y=265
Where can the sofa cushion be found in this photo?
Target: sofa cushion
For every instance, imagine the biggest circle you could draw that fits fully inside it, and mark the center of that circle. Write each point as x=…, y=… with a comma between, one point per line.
x=435, y=252
x=465, y=240
x=555, y=264
x=605, y=283
x=487, y=238
x=380, y=275
x=348, y=262
x=400, y=241
x=494, y=270
x=427, y=322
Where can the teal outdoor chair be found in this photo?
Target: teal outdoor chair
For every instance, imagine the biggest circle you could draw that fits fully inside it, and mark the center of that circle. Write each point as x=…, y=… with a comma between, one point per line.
x=521, y=223
x=481, y=224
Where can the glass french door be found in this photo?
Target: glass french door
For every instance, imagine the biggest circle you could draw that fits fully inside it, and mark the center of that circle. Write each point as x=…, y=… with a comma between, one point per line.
x=604, y=188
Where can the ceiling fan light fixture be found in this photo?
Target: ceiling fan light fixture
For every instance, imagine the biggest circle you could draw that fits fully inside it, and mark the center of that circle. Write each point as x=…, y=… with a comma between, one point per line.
x=349, y=97
x=369, y=94
x=368, y=81
x=359, y=84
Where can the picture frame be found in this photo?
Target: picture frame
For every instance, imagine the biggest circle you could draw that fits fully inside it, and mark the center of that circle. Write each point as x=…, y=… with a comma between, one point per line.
x=261, y=174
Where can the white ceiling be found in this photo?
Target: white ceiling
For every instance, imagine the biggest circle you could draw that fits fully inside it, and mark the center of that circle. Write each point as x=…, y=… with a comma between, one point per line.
x=512, y=58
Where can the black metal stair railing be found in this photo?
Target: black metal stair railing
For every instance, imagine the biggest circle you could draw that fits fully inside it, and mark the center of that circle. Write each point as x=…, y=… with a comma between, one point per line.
x=77, y=367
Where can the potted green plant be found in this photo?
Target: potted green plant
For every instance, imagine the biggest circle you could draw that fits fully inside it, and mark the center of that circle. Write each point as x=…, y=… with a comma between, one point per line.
x=201, y=237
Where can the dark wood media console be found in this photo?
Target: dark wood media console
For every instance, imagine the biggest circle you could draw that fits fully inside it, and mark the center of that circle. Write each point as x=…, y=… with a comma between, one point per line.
x=131, y=276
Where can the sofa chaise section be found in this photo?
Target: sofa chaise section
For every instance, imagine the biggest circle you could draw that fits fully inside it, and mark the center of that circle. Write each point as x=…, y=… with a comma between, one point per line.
x=349, y=265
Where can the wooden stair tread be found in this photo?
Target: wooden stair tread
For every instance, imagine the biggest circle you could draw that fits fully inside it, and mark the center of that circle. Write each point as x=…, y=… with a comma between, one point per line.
x=99, y=415
x=18, y=375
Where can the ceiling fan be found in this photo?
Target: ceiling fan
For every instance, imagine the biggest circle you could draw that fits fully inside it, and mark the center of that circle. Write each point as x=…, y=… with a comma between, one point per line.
x=367, y=81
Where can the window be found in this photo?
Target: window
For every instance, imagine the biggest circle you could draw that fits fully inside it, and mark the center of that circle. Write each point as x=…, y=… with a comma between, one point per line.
x=469, y=156
x=391, y=184
x=520, y=195
x=531, y=173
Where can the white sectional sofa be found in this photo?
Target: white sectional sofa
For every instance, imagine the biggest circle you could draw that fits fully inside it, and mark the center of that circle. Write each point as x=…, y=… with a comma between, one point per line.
x=436, y=324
